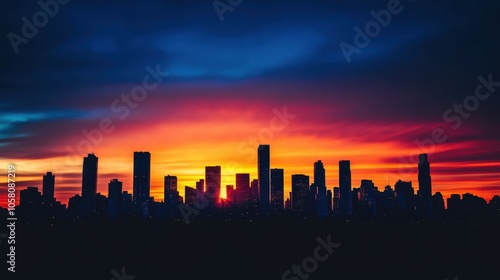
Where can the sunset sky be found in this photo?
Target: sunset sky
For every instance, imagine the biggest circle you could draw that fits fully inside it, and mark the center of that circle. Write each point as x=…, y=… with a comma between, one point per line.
x=230, y=81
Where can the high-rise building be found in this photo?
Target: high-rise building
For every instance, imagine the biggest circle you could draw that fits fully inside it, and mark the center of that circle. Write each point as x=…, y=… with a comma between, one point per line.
x=437, y=204
x=345, y=187
x=300, y=194
x=424, y=186
x=230, y=193
x=329, y=199
x=320, y=188
x=367, y=191
x=454, y=203
x=254, y=190
x=264, y=174
x=114, y=198
x=30, y=202
x=242, y=188
x=213, y=183
x=336, y=200
x=277, y=190
x=200, y=186
x=30, y=198
x=190, y=196
x=89, y=185
x=142, y=182
x=170, y=186
x=404, y=197
x=319, y=174
x=48, y=186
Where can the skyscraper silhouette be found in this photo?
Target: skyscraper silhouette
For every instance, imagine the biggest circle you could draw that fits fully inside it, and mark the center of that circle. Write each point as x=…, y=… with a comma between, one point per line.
x=190, y=196
x=404, y=197
x=424, y=186
x=336, y=200
x=200, y=186
x=345, y=187
x=170, y=186
x=264, y=177
x=141, y=182
x=367, y=192
x=89, y=185
x=48, y=186
x=277, y=190
x=320, y=187
x=213, y=183
x=243, y=188
x=114, y=198
x=300, y=194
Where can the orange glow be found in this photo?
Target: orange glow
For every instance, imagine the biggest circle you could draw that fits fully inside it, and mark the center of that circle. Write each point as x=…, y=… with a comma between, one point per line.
x=189, y=134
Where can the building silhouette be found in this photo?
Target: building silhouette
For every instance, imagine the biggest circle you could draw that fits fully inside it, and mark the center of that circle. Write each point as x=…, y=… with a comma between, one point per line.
x=170, y=192
x=277, y=190
x=405, y=197
x=336, y=201
x=367, y=200
x=264, y=177
x=329, y=200
x=300, y=199
x=242, y=188
x=48, y=186
x=437, y=204
x=30, y=201
x=424, y=187
x=213, y=184
x=114, y=198
x=190, y=196
x=200, y=186
x=142, y=182
x=345, y=188
x=89, y=185
x=320, y=189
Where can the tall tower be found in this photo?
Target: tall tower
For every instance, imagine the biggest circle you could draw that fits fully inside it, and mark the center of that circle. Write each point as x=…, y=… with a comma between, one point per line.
x=213, y=183
x=277, y=190
x=89, y=184
x=264, y=166
x=114, y=198
x=320, y=186
x=170, y=184
x=48, y=186
x=345, y=187
x=170, y=189
x=242, y=188
x=424, y=186
x=300, y=194
x=142, y=182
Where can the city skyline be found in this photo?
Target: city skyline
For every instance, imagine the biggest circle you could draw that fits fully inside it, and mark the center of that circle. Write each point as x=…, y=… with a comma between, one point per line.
x=216, y=187
x=250, y=139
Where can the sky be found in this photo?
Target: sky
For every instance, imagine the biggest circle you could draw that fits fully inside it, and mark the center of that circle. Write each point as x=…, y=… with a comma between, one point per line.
x=200, y=84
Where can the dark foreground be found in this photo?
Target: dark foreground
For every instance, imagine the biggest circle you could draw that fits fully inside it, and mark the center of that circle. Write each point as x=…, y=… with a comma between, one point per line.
x=258, y=250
